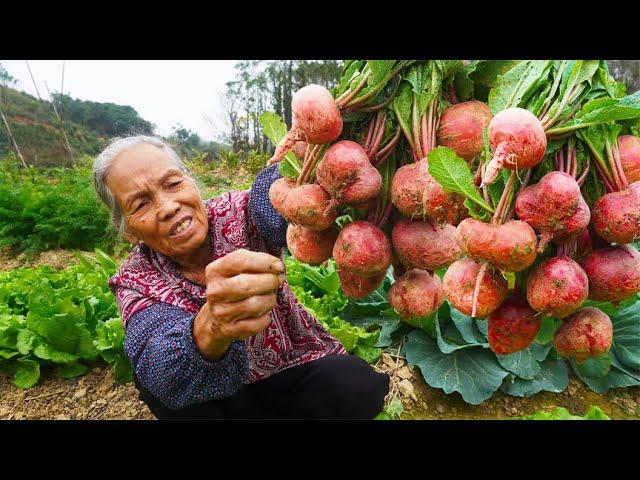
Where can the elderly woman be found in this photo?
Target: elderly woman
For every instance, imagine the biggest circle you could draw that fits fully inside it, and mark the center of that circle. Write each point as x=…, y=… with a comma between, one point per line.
x=212, y=328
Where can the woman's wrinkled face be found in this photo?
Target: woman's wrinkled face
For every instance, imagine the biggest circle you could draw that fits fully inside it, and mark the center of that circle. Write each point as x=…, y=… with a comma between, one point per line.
x=161, y=205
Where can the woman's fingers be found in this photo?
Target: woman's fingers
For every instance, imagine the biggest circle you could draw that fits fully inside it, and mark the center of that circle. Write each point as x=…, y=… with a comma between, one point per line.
x=241, y=290
x=244, y=261
x=252, y=307
x=244, y=285
x=249, y=327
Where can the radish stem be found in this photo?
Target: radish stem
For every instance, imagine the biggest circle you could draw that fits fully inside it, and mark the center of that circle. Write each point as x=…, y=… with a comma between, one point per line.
x=416, y=129
x=618, y=162
x=425, y=132
x=343, y=99
x=367, y=140
x=504, y=200
x=389, y=146
x=560, y=160
x=612, y=164
x=603, y=177
x=381, y=118
x=583, y=177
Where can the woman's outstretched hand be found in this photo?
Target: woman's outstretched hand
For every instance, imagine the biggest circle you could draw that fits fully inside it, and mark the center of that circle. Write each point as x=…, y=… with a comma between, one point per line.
x=241, y=292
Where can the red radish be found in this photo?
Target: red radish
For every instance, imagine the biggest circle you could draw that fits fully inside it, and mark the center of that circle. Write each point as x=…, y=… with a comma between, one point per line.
x=310, y=246
x=557, y=287
x=616, y=215
x=316, y=119
x=362, y=249
x=554, y=207
x=459, y=283
x=279, y=192
x=363, y=193
x=424, y=244
x=461, y=128
x=512, y=327
x=511, y=246
x=417, y=293
x=576, y=223
x=347, y=174
x=415, y=193
x=614, y=273
x=300, y=149
x=358, y=286
x=306, y=205
x=587, y=333
x=629, y=147
x=519, y=142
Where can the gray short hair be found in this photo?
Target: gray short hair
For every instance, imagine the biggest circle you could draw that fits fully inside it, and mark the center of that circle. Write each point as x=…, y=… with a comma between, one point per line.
x=103, y=162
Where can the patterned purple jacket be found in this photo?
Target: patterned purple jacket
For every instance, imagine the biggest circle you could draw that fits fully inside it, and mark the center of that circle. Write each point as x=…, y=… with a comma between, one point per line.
x=158, y=306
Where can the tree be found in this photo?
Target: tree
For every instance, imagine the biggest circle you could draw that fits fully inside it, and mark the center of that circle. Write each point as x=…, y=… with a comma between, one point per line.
x=627, y=71
x=106, y=118
x=6, y=80
x=185, y=141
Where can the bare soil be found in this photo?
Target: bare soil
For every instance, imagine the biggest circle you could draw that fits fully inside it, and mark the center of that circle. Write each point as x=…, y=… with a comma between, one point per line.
x=422, y=402
x=58, y=259
x=94, y=396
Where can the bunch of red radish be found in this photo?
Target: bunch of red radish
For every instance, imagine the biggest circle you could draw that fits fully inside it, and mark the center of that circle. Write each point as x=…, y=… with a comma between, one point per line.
x=430, y=229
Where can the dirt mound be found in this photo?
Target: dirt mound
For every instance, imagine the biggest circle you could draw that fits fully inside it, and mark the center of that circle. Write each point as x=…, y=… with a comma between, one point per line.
x=57, y=259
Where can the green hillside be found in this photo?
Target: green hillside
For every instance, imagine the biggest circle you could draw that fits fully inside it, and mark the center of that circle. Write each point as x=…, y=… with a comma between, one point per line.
x=88, y=125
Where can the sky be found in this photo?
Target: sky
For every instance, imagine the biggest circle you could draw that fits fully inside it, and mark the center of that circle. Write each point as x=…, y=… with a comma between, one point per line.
x=164, y=92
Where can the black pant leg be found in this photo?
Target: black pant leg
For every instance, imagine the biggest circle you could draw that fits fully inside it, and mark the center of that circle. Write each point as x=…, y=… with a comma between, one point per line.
x=267, y=398
x=339, y=386
x=335, y=386
x=210, y=410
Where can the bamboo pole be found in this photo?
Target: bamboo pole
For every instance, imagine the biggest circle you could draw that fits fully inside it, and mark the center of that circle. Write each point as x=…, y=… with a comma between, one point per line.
x=62, y=86
x=55, y=110
x=13, y=140
x=33, y=80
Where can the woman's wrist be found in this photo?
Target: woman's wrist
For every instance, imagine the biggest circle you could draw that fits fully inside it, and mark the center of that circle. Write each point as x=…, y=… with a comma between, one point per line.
x=211, y=345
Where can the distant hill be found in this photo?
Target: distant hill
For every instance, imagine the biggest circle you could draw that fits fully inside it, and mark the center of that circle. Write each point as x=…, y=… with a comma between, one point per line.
x=88, y=125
